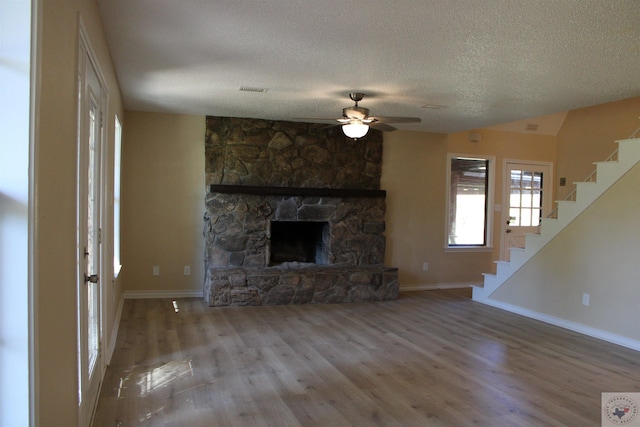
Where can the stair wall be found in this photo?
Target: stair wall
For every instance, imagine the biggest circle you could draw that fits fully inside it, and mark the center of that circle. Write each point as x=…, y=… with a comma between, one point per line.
x=593, y=247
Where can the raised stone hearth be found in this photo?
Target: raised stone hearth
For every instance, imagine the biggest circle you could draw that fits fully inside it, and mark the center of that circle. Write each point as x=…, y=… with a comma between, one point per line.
x=266, y=176
x=301, y=284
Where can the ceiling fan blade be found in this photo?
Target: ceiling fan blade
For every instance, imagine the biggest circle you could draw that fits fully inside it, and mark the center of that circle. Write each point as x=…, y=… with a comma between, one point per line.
x=360, y=115
x=391, y=119
x=330, y=126
x=382, y=126
x=315, y=119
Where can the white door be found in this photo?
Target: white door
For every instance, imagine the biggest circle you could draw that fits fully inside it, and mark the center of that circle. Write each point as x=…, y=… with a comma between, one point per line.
x=90, y=108
x=527, y=190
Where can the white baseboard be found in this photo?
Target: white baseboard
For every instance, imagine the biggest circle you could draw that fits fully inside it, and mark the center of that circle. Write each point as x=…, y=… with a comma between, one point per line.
x=413, y=288
x=162, y=294
x=114, y=331
x=566, y=324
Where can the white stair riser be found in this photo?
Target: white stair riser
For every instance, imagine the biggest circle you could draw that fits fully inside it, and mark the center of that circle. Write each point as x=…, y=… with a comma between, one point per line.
x=629, y=148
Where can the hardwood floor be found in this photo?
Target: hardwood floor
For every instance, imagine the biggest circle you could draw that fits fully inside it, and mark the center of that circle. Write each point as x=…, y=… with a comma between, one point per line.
x=428, y=359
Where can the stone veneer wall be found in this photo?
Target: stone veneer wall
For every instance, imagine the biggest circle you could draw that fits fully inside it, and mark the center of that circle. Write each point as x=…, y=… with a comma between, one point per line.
x=261, y=153
x=289, y=154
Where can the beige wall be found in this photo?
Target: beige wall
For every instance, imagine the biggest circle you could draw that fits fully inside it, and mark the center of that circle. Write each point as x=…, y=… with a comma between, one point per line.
x=588, y=136
x=414, y=169
x=55, y=203
x=414, y=175
x=163, y=202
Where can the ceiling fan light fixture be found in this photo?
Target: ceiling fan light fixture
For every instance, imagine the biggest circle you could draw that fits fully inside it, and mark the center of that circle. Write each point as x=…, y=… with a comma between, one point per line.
x=355, y=130
x=355, y=120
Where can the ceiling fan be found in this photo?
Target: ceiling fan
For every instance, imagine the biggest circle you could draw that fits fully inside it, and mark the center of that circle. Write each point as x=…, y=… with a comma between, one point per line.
x=356, y=121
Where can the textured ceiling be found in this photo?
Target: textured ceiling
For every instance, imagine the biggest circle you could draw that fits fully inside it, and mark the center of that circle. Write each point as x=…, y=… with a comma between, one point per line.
x=487, y=61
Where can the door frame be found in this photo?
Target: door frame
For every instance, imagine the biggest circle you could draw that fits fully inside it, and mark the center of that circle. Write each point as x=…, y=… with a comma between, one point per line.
x=547, y=198
x=87, y=58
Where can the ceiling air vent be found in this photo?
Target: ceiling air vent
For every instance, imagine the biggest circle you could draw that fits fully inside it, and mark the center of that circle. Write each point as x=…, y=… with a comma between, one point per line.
x=532, y=127
x=433, y=107
x=253, y=89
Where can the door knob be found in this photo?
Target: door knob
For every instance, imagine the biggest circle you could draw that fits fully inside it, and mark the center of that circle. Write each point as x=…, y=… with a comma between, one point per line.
x=508, y=230
x=93, y=278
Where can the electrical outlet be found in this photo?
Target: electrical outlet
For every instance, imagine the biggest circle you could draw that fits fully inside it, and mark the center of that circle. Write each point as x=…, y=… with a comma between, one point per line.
x=156, y=270
x=187, y=270
x=585, y=300
x=425, y=266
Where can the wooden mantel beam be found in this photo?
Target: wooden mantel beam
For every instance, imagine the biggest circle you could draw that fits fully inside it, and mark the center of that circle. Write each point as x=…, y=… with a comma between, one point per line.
x=295, y=191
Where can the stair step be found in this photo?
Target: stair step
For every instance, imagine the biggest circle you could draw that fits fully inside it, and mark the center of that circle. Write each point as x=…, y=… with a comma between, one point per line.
x=502, y=268
x=477, y=292
x=491, y=282
x=550, y=227
x=629, y=148
x=567, y=210
x=607, y=172
x=586, y=193
x=517, y=257
x=586, y=184
x=533, y=241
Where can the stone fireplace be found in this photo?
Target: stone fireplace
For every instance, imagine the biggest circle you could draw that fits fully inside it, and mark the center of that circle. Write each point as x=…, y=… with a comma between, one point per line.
x=294, y=215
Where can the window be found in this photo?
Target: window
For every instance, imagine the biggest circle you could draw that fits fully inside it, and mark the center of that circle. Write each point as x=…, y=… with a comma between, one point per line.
x=17, y=212
x=525, y=198
x=469, y=201
x=116, y=197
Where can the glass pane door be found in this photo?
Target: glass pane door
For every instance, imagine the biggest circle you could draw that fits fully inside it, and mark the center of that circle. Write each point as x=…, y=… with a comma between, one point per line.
x=93, y=243
x=526, y=188
x=91, y=101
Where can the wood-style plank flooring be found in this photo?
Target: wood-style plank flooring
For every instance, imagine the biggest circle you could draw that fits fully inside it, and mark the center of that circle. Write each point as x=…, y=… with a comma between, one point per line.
x=431, y=358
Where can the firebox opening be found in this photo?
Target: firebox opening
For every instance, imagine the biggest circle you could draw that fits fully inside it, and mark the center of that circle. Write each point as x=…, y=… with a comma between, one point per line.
x=299, y=241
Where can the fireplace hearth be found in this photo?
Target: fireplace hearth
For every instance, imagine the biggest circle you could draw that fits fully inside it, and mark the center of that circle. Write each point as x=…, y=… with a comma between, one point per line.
x=293, y=215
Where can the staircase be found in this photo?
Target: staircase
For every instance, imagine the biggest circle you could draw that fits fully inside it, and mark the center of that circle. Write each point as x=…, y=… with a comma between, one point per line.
x=604, y=176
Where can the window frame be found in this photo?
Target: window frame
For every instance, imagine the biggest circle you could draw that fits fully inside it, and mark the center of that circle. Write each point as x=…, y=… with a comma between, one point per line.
x=117, y=197
x=489, y=204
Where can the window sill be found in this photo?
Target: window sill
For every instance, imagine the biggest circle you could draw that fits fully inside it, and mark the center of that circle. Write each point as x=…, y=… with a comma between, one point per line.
x=468, y=249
